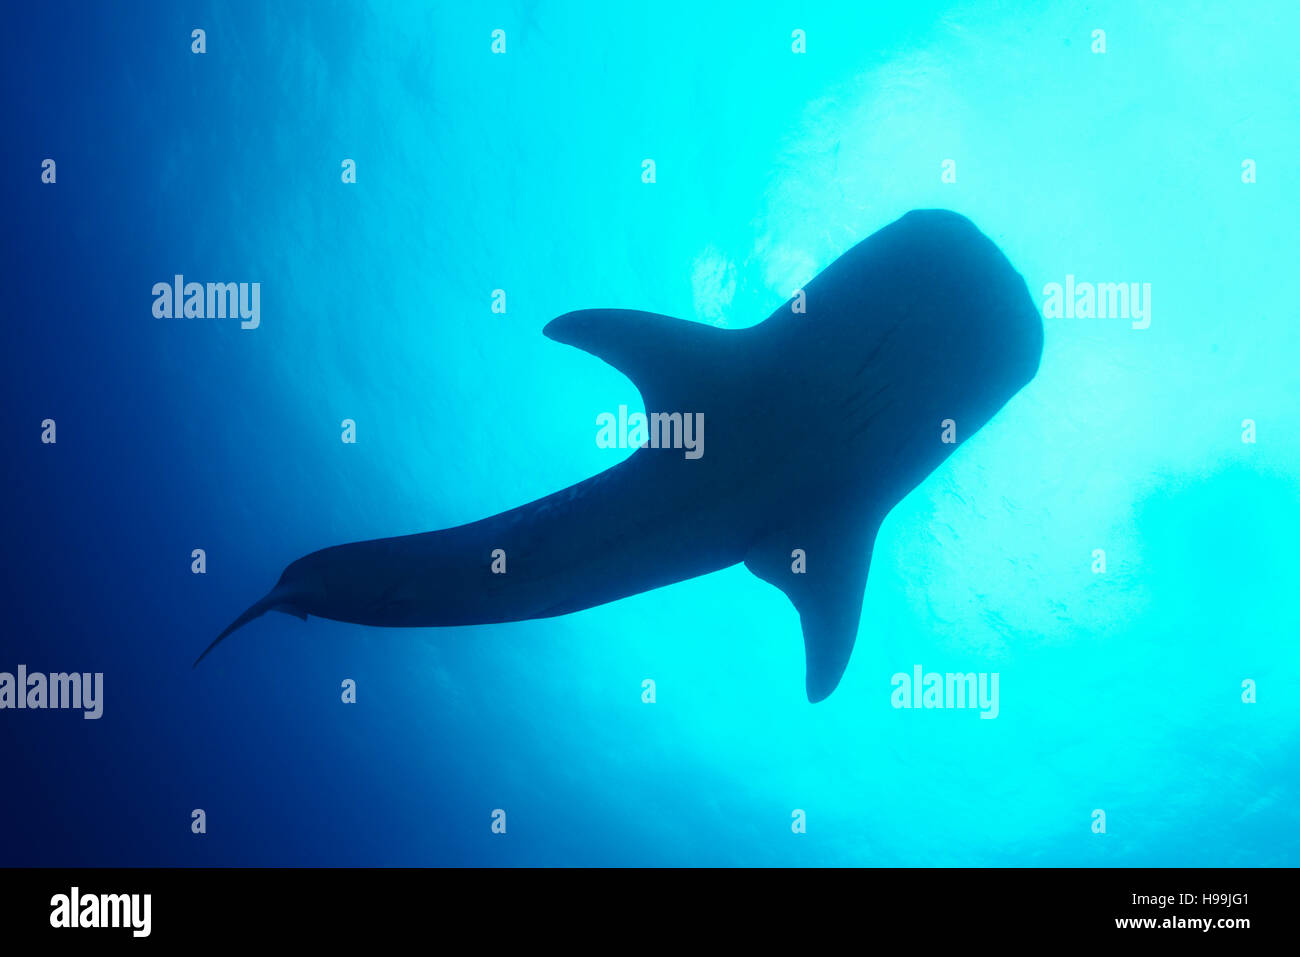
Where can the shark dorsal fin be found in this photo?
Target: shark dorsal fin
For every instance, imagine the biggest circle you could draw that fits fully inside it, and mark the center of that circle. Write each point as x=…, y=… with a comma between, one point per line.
x=662, y=356
x=834, y=555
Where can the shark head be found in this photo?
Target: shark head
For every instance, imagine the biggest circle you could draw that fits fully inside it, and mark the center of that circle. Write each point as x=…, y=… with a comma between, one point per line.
x=927, y=309
x=945, y=326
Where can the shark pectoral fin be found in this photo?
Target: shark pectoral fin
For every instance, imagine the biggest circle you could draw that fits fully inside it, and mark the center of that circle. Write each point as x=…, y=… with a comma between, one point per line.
x=662, y=356
x=822, y=568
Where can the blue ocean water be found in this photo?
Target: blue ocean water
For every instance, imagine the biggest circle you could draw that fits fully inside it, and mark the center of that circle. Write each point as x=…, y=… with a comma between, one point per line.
x=1121, y=691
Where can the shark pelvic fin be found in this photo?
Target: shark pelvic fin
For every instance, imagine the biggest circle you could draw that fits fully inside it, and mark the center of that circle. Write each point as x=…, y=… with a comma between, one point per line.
x=665, y=358
x=821, y=565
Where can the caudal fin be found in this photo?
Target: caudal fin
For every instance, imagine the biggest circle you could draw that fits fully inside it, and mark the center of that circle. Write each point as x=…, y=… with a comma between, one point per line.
x=275, y=600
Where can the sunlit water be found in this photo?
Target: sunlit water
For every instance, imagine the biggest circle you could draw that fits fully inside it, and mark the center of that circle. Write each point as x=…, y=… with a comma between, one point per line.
x=1119, y=691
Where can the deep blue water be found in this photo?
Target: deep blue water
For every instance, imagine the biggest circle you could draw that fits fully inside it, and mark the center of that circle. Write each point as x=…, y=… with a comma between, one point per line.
x=522, y=171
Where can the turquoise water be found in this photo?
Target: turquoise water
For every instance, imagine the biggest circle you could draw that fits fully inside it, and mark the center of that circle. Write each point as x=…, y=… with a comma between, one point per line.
x=1120, y=691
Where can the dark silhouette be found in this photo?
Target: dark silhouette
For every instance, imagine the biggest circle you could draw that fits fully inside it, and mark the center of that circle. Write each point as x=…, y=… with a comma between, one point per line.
x=817, y=424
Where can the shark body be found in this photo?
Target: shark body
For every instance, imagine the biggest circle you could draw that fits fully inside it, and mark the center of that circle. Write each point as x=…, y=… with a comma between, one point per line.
x=818, y=423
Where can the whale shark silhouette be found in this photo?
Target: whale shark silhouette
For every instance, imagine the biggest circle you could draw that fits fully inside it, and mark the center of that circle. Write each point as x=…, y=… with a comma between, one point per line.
x=819, y=422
